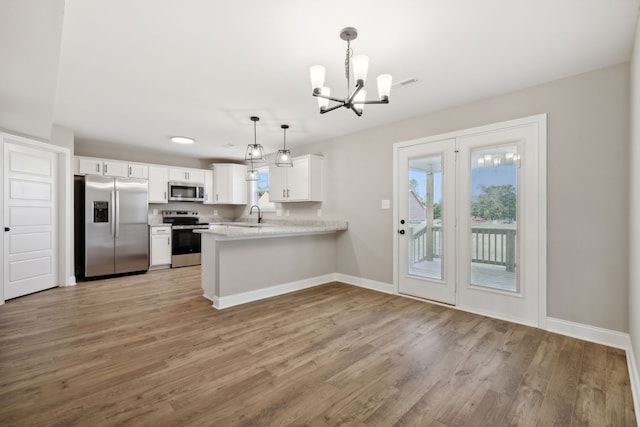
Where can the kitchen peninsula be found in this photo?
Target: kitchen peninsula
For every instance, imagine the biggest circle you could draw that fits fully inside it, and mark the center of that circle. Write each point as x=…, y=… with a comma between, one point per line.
x=244, y=262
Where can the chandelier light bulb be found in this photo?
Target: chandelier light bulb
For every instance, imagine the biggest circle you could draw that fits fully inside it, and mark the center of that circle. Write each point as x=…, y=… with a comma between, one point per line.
x=323, y=103
x=360, y=67
x=317, y=76
x=384, y=86
x=358, y=100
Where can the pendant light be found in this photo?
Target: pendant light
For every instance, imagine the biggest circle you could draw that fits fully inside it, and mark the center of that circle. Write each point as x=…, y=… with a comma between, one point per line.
x=255, y=152
x=252, y=174
x=283, y=158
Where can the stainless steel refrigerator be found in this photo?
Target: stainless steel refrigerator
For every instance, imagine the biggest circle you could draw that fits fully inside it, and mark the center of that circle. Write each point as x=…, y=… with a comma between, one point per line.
x=113, y=225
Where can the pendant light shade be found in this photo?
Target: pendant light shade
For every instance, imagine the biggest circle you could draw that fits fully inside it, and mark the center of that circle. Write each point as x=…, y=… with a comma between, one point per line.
x=283, y=158
x=252, y=174
x=255, y=152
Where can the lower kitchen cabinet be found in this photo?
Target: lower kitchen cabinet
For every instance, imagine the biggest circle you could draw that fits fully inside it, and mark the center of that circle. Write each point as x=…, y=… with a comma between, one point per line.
x=160, y=244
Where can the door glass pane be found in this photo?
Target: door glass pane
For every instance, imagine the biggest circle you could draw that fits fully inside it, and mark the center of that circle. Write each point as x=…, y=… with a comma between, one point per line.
x=494, y=194
x=425, y=217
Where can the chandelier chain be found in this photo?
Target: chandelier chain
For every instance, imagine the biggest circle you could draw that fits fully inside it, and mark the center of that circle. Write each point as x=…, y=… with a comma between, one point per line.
x=346, y=65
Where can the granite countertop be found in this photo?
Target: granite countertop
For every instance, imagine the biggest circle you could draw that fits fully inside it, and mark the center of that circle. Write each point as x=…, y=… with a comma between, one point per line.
x=283, y=228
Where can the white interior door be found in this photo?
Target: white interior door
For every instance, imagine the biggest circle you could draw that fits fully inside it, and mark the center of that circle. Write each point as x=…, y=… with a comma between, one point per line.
x=30, y=260
x=426, y=225
x=471, y=218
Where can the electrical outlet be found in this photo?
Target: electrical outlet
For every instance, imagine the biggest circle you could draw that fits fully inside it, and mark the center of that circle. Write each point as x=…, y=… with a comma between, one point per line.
x=319, y=212
x=155, y=211
x=386, y=204
x=286, y=212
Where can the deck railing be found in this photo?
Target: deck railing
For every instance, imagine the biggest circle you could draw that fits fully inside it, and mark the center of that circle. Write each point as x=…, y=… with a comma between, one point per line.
x=489, y=245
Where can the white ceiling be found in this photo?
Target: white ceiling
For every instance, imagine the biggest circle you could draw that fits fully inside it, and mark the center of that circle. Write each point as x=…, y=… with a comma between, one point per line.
x=136, y=72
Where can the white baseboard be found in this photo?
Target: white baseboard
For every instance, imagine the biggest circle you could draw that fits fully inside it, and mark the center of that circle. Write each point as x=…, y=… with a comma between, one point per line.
x=272, y=291
x=387, y=288
x=589, y=333
x=494, y=315
x=71, y=281
x=634, y=378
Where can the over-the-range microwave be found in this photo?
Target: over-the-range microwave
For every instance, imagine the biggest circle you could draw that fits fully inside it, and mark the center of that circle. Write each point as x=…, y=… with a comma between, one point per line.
x=186, y=192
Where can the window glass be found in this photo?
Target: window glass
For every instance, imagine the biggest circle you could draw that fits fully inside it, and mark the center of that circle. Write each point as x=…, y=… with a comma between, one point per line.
x=260, y=193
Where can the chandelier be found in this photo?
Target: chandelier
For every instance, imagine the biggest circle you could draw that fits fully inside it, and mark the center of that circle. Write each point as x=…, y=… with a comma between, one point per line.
x=355, y=100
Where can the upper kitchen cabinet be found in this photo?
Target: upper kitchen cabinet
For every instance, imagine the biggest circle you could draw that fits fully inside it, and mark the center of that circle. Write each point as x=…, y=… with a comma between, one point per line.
x=195, y=176
x=209, y=197
x=229, y=184
x=300, y=183
x=158, y=184
x=93, y=166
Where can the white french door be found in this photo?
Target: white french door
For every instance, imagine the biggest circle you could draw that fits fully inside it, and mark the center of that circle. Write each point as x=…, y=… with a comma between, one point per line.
x=427, y=220
x=471, y=219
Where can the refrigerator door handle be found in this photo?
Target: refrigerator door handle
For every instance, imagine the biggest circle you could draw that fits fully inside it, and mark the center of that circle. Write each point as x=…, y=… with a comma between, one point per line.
x=112, y=213
x=117, y=219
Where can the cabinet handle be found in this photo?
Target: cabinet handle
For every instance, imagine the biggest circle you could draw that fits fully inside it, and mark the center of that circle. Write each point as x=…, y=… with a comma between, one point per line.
x=165, y=195
x=287, y=193
x=284, y=194
x=216, y=197
x=129, y=170
x=97, y=167
x=106, y=170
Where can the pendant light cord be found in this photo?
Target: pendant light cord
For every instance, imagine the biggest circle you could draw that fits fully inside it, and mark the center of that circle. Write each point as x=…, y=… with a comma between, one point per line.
x=284, y=140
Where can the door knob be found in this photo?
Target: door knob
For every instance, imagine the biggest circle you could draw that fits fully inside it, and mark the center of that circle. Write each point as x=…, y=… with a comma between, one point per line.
x=401, y=231
x=7, y=229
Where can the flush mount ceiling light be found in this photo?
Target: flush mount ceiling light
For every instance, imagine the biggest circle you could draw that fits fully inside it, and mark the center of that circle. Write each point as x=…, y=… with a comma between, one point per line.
x=283, y=158
x=356, y=100
x=182, y=140
x=255, y=152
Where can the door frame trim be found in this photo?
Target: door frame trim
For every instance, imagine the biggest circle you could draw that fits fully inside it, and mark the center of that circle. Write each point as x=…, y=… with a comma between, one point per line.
x=541, y=121
x=64, y=201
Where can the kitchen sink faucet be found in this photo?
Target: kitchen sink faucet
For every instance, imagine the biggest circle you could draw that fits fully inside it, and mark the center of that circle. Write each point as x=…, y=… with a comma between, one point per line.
x=259, y=212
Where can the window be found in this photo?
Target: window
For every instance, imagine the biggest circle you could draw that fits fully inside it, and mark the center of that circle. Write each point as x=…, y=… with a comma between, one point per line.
x=260, y=190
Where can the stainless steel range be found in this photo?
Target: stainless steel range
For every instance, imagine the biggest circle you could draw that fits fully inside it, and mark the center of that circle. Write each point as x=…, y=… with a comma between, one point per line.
x=185, y=244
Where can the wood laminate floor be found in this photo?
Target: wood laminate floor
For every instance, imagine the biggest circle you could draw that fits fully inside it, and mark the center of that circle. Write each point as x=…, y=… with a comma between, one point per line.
x=149, y=350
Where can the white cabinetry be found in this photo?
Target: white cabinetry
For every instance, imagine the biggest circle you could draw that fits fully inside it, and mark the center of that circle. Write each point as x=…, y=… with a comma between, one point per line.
x=186, y=175
x=158, y=184
x=209, y=195
x=137, y=170
x=160, y=246
x=92, y=166
x=229, y=184
x=301, y=183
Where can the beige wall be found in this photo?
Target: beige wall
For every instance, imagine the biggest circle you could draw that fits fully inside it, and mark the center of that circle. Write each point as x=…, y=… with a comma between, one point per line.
x=62, y=136
x=588, y=188
x=634, y=253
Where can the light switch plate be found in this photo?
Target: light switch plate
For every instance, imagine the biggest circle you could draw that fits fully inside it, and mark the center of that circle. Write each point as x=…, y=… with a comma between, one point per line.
x=386, y=204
